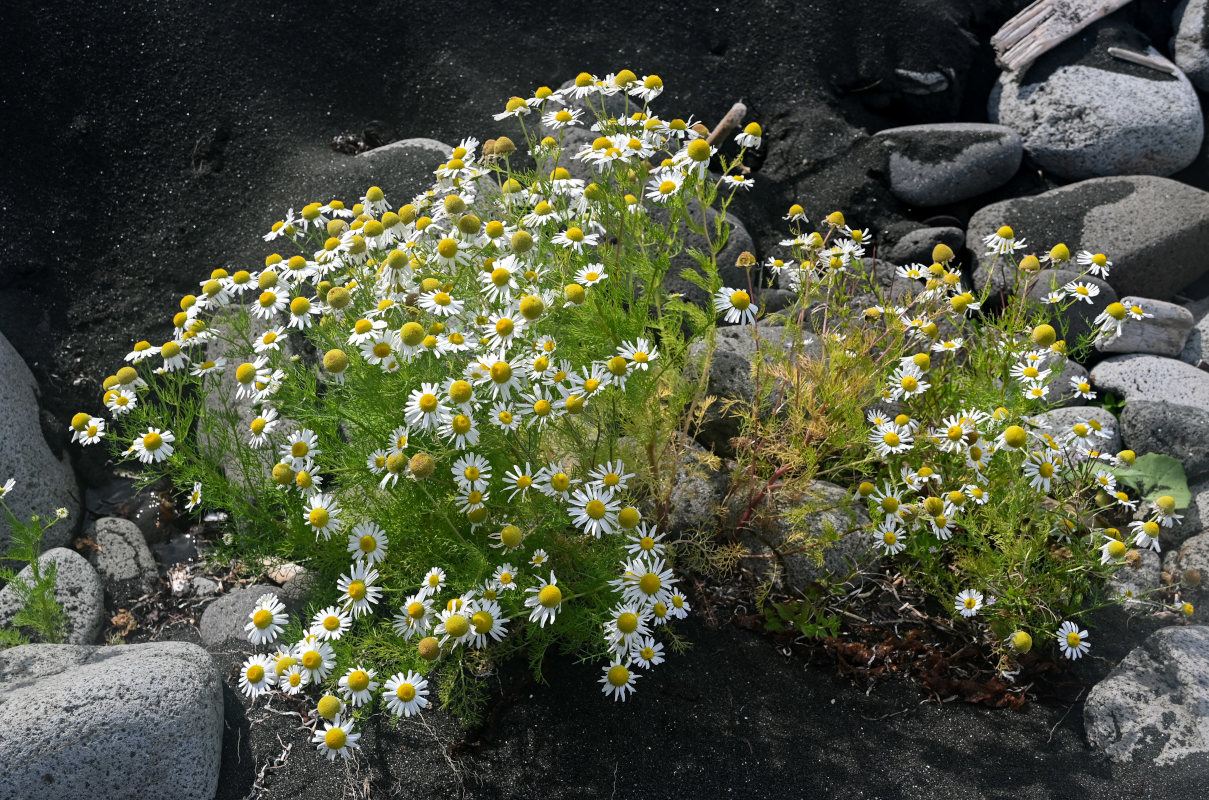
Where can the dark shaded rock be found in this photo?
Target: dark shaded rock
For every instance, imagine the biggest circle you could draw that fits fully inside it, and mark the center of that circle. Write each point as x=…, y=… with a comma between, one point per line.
x=1182, y=432
x=1190, y=45
x=933, y=165
x=915, y=247
x=123, y=561
x=1154, y=230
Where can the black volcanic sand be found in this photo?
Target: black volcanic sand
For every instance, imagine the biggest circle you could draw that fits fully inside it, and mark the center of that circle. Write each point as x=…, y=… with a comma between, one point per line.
x=145, y=144
x=731, y=716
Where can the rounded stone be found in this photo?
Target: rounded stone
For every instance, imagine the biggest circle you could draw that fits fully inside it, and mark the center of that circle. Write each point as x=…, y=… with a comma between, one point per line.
x=77, y=589
x=932, y=165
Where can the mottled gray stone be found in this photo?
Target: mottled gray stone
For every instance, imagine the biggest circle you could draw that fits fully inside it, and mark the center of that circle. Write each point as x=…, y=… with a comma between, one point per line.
x=1077, y=321
x=932, y=165
x=77, y=589
x=1154, y=230
x=203, y=587
x=1083, y=114
x=1181, y=432
x=1195, y=517
x=782, y=537
x=1163, y=334
x=1192, y=556
x=1135, y=585
x=1196, y=348
x=1190, y=45
x=224, y=619
x=123, y=561
x=135, y=721
x=915, y=247
x=1152, y=707
x=1154, y=378
x=1058, y=423
x=42, y=482
x=730, y=374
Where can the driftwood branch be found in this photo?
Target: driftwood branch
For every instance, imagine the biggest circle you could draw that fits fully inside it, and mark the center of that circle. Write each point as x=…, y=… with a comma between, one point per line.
x=1153, y=62
x=1043, y=26
x=731, y=123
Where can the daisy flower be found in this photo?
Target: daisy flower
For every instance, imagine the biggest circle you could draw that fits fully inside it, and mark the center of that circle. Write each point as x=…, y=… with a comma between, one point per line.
x=618, y=682
x=453, y=625
x=358, y=685
x=367, y=542
x=679, y=606
x=738, y=181
x=562, y=118
x=257, y=675
x=948, y=345
x=1072, y=641
x=1082, y=291
x=194, y=497
x=505, y=416
x=406, y=693
x=1095, y=263
x=610, y=475
x=645, y=539
x=544, y=601
x=647, y=652
x=968, y=602
x=625, y=624
x=316, y=657
x=1003, y=242
x=650, y=88
x=461, y=432
x=322, y=513
x=293, y=680
x=424, y=409
x=268, y=619
x=330, y=623
x=574, y=239
x=302, y=310
x=93, y=432
x=1112, y=551
x=415, y=617
x=509, y=537
x=645, y=580
x=337, y=739
x=591, y=275
x=433, y=582
x=269, y=340
x=889, y=438
x=505, y=577
x=539, y=558
x=300, y=447
x=503, y=378
x=174, y=357
x=358, y=590
x=1164, y=509
x=472, y=471
x=469, y=500
x=515, y=107
x=142, y=351
x=486, y=623
x=736, y=305
x=594, y=509
x=1039, y=469
x=1145, y=534
x=664, y=186
x=262, y=428
x=552, y=481
x=153, y=446
x=907, y=381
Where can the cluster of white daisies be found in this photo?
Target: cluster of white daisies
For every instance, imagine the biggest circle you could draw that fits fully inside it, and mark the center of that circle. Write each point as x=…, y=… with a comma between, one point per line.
x=455, y=297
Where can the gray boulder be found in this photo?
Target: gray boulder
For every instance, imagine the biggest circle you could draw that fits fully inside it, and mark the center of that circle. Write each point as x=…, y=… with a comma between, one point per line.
x=42, y=481
x=1077, y=321
x=1144, y=377
x=136, y=721
x=1196, y=348
x=123, y=561
x=1133, y=586
x=932, y=165
x=915, y=247
x=77, y=589
x=1188, y=565
x=1059, y=421
x=1151, y=708
x=730, y=374
x=1154, y=230
x=1059, y=390
x=1190, y=45
x=1163, y=334
x=1195, y=517
x=224, y=619
x=1084, y=114
x=803, y=538
x=1181, y=432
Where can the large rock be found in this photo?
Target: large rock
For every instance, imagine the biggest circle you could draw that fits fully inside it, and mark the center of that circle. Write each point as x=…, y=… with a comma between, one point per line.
x=1190, y=45
x=123, y=560
x=933, y=165
x=1196, y=348
x=1144, y=377
x=1195, y=517
x=42, y=481
x=1154, y=230
x=136, y=721
x=1163, y=334
x=224, y=619
x=1179, y=431
x=77, y=589
x=803, y=538
x=915, y=246
x=1152, y=708
x=1059, y=421
x=731, y=375
x=1078, y=320
x=1085, y=114
x=1134, y=585
x=1188, y=565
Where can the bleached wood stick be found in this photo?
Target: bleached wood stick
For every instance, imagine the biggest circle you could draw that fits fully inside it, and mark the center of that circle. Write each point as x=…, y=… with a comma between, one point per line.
x=729, y=124
x=1044, y=25
x=1141, y=59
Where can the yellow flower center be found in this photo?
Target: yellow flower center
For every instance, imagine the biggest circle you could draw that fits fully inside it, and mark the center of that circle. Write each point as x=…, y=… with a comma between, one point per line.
x=319, y=517
x=152, y=441
x=358, y=680
x=406, y=692
x=456, y=625
x=263, y=618
x=550, y=596
x=255, y=673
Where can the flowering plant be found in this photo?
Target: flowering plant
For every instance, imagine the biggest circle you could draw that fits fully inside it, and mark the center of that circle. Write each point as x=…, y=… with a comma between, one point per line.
x=429, y=406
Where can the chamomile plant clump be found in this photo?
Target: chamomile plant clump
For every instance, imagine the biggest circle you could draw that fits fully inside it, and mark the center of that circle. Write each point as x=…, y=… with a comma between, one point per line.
x=926, y=403
x=423, y=403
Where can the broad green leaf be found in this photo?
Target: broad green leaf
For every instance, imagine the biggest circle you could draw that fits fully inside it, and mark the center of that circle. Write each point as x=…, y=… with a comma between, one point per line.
x=1154, y=475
